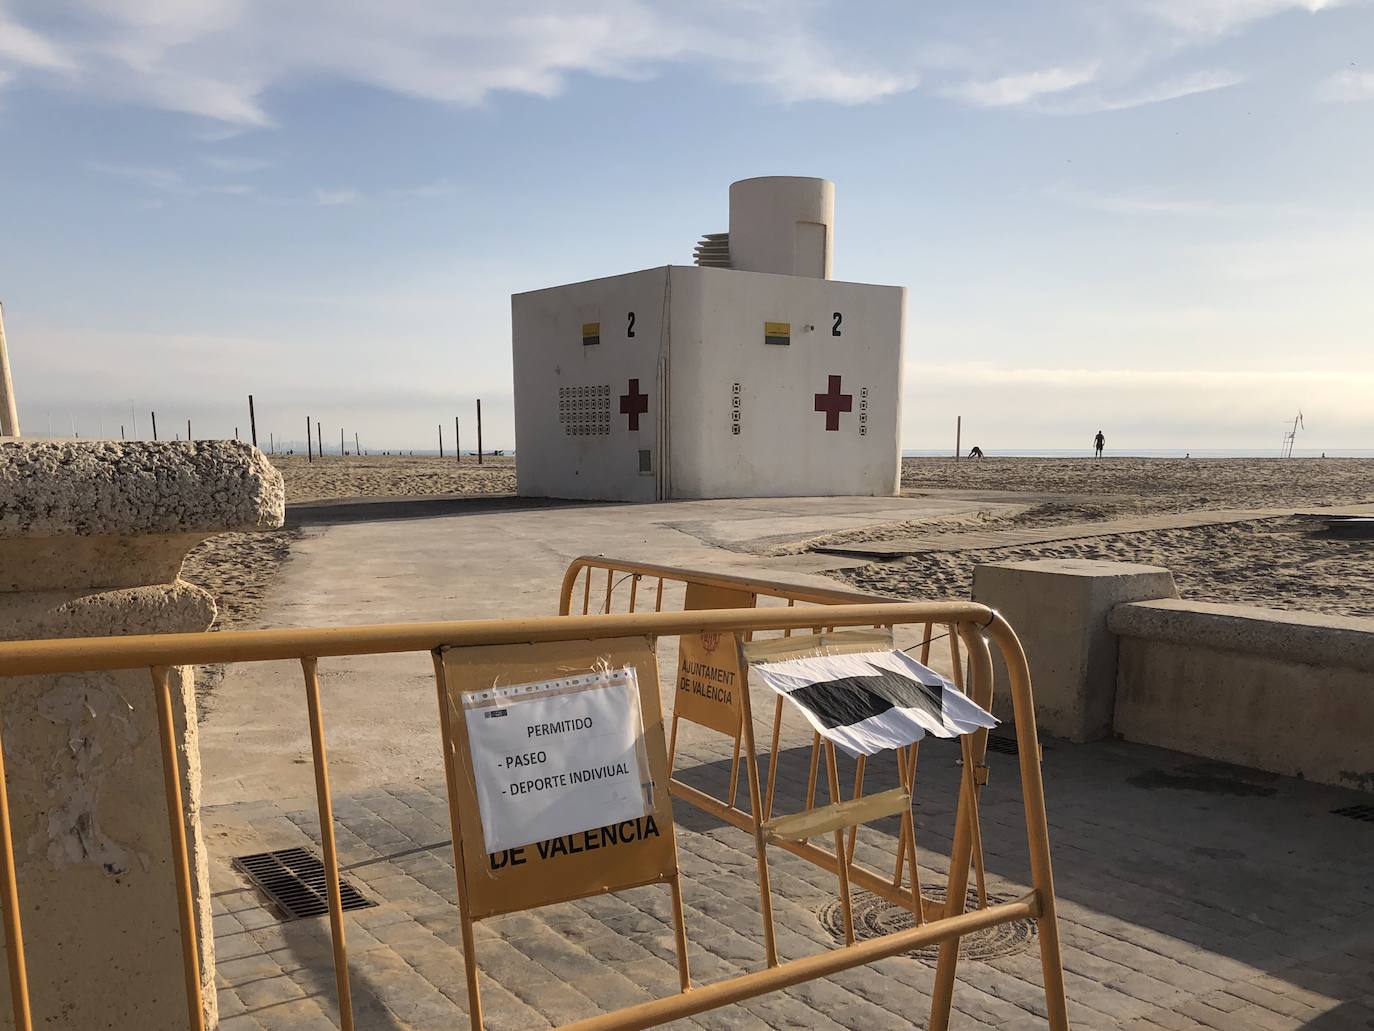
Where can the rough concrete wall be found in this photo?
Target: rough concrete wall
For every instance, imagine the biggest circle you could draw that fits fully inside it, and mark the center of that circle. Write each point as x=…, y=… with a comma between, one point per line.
x=1292, y=693
x=127, y=488
x=92, y=536
x=92, y=847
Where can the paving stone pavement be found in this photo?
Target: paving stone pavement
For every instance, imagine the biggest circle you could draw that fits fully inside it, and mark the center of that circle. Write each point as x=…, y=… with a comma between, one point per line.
x=1192, y=895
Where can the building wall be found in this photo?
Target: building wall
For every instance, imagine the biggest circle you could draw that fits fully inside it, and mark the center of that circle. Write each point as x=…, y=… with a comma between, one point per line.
x=783, y=224
x=572, y=439
x=782, y=447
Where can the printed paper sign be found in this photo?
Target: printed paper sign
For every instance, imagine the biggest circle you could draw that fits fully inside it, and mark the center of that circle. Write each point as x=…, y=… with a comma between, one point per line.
x=557, y=757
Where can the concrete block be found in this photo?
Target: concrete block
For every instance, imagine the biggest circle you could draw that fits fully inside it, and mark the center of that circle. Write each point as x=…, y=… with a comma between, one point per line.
x=1058, y=608
x=92, y=538
x=1288, y=692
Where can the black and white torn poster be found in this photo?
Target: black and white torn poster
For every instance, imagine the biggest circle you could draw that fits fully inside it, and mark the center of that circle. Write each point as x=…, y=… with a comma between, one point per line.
x=872, y=700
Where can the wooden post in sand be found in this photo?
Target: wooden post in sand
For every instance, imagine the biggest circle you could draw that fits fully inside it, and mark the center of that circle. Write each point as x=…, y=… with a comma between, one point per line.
x=154, y=415
x=342, y=452
x=252, y=421
x=479, y=431
x=319, y=439
x=441, y=440
x=309, y=457
x=357, y=448
x=457, y=441
x=188, y=429
x=958, y=435
x=9, y=410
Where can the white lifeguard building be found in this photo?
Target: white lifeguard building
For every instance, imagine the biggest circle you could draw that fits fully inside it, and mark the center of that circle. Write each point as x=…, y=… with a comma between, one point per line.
x=749, y=374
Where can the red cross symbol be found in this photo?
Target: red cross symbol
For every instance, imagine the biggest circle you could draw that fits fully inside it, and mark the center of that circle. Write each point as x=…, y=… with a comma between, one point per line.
x=832, y=403
x=634, y=404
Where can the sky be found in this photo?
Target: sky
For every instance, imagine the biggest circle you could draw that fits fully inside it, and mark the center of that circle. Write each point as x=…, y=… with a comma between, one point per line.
x=1152, y=217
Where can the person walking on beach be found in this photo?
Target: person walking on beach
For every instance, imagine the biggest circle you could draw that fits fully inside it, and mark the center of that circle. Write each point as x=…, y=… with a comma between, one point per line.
x=975, y=452
x=1099, y=442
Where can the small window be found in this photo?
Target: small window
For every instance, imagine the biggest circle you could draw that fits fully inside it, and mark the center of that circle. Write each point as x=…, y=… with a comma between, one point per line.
x=646, y=461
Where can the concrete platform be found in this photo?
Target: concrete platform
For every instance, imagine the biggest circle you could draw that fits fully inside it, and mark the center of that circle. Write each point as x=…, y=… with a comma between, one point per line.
x=1192, y=895
x=485, y=563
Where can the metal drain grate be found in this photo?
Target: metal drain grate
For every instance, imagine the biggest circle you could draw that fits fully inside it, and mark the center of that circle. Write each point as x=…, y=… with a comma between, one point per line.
x=293, y=879
x=875, y=916
x=1005, y=745
x=1356, y=812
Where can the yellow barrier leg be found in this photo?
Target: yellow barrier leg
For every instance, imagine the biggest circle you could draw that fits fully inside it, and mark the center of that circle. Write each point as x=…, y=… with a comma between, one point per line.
x=459, y=867
x=325, y=804
x=14, y=932
x=1037, y=825
x=832, y=768
x=181, y=863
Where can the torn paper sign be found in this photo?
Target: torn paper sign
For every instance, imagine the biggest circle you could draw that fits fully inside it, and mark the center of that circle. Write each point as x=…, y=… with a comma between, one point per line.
x=868, y=701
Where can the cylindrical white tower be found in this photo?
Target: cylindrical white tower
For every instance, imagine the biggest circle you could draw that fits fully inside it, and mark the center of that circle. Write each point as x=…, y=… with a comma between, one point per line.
x=782, y=224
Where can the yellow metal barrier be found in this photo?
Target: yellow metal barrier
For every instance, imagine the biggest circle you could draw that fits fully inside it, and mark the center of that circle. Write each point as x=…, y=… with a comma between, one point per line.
x=721, y=590
x=973, y=623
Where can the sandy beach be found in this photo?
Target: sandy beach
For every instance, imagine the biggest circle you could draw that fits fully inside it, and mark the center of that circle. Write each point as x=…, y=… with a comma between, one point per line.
x=236, y=567
x=381, y=476
x=1278, y=562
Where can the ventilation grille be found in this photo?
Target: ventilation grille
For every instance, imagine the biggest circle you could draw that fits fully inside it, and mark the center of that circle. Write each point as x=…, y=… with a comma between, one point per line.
x=713, y=251
x=1361, y=812
x=1005, y=745
x=293, y=879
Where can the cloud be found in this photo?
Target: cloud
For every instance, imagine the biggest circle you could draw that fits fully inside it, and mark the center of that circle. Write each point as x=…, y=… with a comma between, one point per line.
x=426, y=191
x=22, y=46
x=1154, y=93
x=167, y=181
x=218, y=59
x=222, y=60
x=1347, y=86
x=163, y=180
x=1217, y=17
x=1012, y=90
x=1117, y=204
x=337, y=198
x=242, y=165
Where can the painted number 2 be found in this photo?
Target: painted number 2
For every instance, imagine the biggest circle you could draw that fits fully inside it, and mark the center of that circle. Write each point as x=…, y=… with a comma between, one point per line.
x=835, y=329
x=629, y=324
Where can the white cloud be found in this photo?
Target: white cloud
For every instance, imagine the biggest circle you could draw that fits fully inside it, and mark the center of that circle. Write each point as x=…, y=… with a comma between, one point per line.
x=24, y=47
x=1347, y=86
x=337, y=198
x=1012, y=90
x=163, y=180
x=167, y=181
x=243, y=165
x=425, y=191
x=1126, y=204
x=221, y=60
x=1217, y=17
x=1154, y=93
